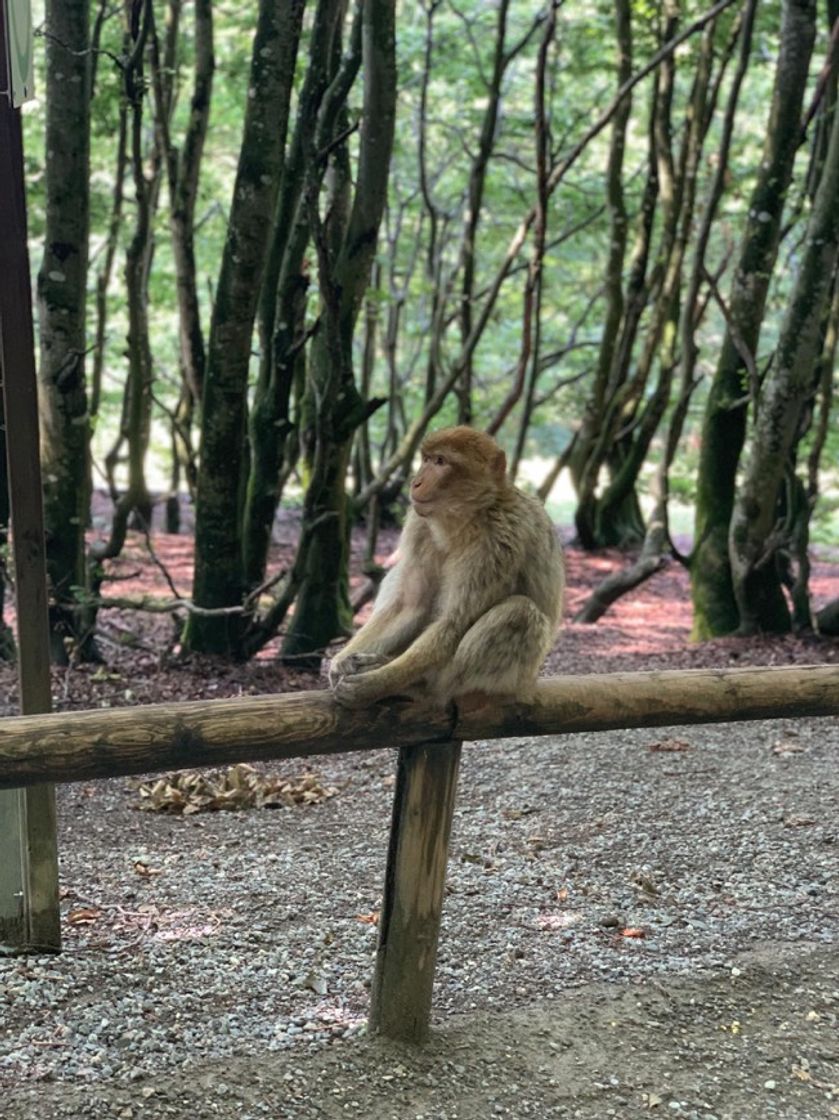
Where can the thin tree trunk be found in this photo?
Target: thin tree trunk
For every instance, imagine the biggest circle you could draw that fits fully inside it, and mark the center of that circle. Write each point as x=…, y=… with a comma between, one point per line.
x=219, y=577
x=323, y=611
x=474, y=203
x=724, y=427
x=103, y=278
x=283, y=307
x=135, y=426
x=528, y=360
x=62, y=300
x=182, y=172
x=753, y=541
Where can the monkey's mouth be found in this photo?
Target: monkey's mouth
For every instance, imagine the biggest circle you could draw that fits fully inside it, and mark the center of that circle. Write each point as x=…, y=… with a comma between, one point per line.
x=421, y=505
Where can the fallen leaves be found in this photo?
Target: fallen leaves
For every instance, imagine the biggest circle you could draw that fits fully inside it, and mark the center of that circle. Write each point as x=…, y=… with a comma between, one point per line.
x=84, y=916
x=239, y=787
x=668, y=746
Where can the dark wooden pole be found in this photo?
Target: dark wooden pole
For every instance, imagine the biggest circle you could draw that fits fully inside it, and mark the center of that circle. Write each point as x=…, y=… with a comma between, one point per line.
x=415, y=880
x=29, y=916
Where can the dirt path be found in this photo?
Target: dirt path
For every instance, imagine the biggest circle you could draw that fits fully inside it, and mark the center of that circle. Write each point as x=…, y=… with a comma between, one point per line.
x=755, y=1043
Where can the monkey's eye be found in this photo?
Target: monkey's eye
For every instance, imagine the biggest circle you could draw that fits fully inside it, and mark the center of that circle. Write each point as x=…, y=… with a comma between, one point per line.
x=439, y=461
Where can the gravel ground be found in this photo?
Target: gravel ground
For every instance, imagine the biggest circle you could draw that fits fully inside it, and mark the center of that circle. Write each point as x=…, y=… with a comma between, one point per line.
x=219, y=964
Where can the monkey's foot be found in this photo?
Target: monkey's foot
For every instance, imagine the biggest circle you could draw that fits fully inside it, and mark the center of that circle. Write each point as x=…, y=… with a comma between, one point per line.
x=353, y=691
x=353, y=665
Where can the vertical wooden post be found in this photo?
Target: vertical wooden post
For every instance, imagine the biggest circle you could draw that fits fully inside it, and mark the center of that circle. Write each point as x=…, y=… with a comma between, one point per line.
x=29, y=915
x=409, y=928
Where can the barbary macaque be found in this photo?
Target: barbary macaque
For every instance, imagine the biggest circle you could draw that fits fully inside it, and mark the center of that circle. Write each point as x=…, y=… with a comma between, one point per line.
x=474, y=601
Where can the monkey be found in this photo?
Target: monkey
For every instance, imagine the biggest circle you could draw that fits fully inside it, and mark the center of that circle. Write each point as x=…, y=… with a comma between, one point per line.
x=474, y=600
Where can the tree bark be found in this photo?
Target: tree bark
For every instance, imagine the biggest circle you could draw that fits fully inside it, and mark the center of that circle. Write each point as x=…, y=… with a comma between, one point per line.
x=62, y=299
x=724, y=426
x=135, y=423
x=322, y=611
x=183, y=168
x=103, y=278
x=754, y=541
x=623, y=309
x=219, y=577
x=283, y=306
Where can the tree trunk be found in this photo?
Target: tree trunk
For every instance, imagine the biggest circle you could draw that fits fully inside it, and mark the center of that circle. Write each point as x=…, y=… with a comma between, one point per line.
x=474, y=202
x=135, y=423
x=183, y=169
x=219, y=577
x=323, y=611
x=754, y=541
x=724, y=427
x=283, y=306
x=62, y=292
x=583, y=475
x=103, y=278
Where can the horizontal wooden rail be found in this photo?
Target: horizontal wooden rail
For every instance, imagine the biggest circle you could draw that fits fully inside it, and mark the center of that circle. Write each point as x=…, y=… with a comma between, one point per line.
x=79, y=746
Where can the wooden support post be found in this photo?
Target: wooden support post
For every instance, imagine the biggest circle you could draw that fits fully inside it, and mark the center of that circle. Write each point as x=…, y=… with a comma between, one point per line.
x=409, y=928
x=29, y=915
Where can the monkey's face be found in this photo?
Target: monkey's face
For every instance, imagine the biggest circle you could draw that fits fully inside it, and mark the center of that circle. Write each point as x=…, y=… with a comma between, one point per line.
x=461, y=473
x=432, y=483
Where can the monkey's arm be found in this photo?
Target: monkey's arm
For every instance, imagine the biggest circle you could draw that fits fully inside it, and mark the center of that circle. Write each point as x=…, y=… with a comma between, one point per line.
x=387, y=633
x=399, y=616
x=433, y=648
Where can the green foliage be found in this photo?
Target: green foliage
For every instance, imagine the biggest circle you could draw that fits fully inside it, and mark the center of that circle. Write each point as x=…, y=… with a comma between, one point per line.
x=418, y=274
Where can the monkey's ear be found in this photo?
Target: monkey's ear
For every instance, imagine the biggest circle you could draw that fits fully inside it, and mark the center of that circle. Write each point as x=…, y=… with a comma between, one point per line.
x=499, y=467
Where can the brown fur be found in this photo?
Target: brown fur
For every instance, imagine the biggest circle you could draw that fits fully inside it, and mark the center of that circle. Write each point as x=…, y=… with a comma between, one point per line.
x=474, y=602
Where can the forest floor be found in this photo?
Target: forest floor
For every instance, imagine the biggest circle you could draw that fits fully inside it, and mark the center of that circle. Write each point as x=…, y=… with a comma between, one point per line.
x=636, y=924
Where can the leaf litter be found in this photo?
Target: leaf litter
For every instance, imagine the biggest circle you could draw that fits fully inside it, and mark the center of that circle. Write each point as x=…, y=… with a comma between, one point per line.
x=239, y=787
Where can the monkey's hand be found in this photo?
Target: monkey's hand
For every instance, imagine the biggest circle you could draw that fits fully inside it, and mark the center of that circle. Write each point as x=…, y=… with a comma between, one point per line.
x=353, y=664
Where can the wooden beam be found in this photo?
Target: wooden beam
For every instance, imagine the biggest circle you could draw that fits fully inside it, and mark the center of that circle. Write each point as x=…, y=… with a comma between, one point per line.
x=415, y=880
x=79, y=746
x=29, y=914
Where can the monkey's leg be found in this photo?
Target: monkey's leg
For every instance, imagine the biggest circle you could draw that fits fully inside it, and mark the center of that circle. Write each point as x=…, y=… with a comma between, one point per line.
x=501, y=653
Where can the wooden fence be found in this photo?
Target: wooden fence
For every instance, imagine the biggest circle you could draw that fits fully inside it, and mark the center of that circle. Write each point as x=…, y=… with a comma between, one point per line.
x=79, y=746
